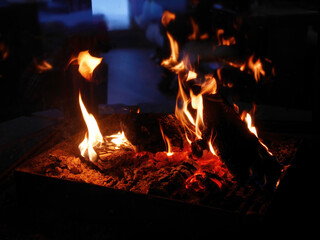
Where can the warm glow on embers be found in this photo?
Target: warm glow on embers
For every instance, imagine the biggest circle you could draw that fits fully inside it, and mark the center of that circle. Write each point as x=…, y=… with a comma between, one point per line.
x=93, y=137
x=87, y=64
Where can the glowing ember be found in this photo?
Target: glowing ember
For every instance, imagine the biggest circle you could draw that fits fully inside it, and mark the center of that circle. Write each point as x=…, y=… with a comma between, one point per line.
x=87, y=64
x=93, y=137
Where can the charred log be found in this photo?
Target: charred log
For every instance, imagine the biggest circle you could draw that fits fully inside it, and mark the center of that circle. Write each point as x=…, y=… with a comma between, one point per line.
x=238, y=148
x=143, y=131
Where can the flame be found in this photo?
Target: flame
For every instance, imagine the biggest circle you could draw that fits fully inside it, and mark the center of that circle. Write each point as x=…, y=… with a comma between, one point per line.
x=4, y=51
x=119, y=139
x=248, y=119
x=256, y=68
x=191, y=75
x=211, y=149
x=167, y=142
x=197, y=104
x=173, y=59
x=87, y=64
x=43, y=66
x=93, y=137
x=193, y=124
x=167, y=17
x=223, y=40
x=195, y=30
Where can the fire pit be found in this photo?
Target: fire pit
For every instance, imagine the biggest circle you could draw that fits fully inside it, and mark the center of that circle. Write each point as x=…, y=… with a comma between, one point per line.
x=207, y=160
x=147, y=180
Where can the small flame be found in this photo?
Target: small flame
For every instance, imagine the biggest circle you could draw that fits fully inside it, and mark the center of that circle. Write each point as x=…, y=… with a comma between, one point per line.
x=87, y=64
x=119, y=139
x=167, y=17
x=256, y=68
x=195, y=30
x=173, y=59
x=43, y=66
x=197, y=103
x=191, y=75
x=93, y=137
x=167, y=142
x=250, y=126
x=211, y=147
x=223, y=40
x=247, y=118
x=4, y=51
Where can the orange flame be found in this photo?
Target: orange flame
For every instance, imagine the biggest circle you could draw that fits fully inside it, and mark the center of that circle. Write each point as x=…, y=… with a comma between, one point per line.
x=256, y=68
x=87, y=64
x=247, y=118
x=93, y=137
x=172, y=61
x=167, y=17
x=4, y=51
x=167, y=142
x=223, y=40
x=43, y=66
x=119, y=139
x=195, y=30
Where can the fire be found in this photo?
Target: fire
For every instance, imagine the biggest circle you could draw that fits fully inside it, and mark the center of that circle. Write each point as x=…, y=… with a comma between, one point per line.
x=167, y=17
x=87, y=64
x=93, y=137
x=119, y=139
x=195, y=30
x=43, y=66
x=250, y=126
x=167, y=142
x=173, y=59
x=248, y=119
x=256, y=68
x=225, y=41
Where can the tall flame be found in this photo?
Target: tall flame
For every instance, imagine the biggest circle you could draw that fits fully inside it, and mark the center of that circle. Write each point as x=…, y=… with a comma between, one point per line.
x=87, y=64
x=93, y=137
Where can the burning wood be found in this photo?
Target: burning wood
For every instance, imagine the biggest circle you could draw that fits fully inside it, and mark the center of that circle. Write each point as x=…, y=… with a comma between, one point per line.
x=203, y=112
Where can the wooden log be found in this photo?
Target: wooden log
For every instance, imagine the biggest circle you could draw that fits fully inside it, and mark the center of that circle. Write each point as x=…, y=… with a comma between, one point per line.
x=238, y=148
x=143, y=131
